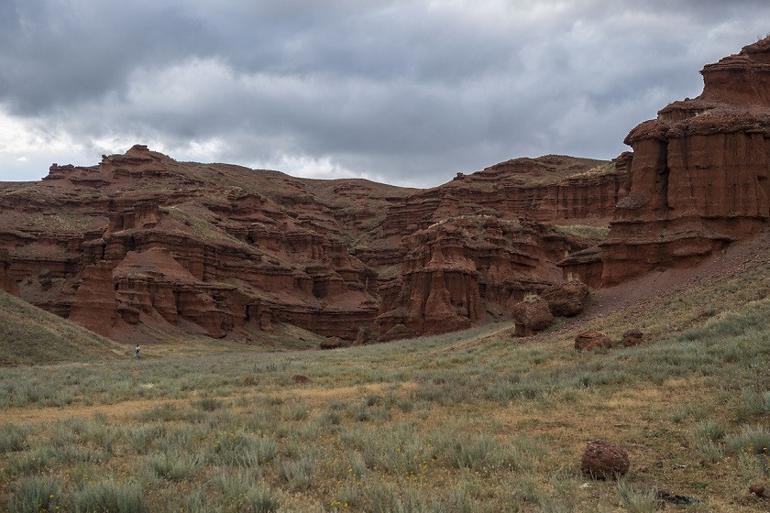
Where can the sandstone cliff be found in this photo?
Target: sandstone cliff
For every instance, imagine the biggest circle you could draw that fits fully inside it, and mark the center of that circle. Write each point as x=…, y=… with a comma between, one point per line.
x=142, y=247
x=698, y=175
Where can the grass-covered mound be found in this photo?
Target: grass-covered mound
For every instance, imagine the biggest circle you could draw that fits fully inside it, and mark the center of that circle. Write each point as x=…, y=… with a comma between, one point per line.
x=29, y=335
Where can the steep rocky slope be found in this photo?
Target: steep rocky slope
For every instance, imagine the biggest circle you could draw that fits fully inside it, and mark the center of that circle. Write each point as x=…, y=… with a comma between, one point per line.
x=142, y=247
x=698, y=175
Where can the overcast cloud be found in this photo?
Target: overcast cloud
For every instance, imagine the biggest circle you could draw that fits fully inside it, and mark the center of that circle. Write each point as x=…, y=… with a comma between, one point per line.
x=407, y=92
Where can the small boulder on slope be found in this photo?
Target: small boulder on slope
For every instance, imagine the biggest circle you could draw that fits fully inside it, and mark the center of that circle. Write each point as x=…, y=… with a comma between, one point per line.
x=590, y=340
x=531, y=315
x=604, y=460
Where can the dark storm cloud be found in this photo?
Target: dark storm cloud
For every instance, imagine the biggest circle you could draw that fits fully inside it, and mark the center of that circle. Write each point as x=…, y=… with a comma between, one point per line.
x=404, y=91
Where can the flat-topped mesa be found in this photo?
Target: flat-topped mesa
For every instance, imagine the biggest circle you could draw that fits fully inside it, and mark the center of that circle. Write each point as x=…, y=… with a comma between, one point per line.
x=699, y=172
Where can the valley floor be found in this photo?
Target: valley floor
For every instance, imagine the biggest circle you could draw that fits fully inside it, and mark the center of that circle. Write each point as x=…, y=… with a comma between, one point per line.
x=475, y=421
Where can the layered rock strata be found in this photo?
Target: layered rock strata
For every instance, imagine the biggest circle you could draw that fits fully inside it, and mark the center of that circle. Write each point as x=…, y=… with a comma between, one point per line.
x=142, y=247
x=698, y=176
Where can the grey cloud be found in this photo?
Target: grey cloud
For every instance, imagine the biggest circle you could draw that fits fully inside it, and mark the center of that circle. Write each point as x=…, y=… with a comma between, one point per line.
x=408, y=91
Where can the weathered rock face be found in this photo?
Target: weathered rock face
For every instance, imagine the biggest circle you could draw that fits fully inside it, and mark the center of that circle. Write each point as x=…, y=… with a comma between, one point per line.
x=552, y=189
x=698, y=176
x=142, y=247
x=467, y=268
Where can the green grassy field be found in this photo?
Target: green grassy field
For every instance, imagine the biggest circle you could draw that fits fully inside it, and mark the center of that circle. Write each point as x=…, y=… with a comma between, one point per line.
x=475, y=421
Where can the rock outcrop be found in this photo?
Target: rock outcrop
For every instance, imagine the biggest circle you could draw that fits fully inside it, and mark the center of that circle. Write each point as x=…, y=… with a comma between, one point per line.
x=142, y=247
x=698, y=176
x=553, y=189
x=466, y=269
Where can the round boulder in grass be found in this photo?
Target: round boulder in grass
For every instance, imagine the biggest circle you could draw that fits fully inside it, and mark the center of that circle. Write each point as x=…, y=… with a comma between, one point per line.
x=632, y=338
x=590, y=340
x=604, y=460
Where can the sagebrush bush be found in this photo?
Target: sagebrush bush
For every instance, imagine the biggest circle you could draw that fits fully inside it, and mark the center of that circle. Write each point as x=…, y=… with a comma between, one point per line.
x=110, y=497
x=36, y=494
x=244, y=450
x=173, y=466
x=755, y=439
x=13, y=438
x=637, y=499
x=298, y=475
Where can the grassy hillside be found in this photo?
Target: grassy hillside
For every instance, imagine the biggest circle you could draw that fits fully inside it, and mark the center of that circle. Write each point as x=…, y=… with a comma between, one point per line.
x=470, y=422
x=29, y=335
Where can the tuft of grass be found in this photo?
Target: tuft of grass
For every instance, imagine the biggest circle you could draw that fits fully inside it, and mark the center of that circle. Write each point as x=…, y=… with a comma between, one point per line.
x=240, y=494
x=173, y=466
x=709, y=430
x=260, y=500
x=755, y=439
x=37, y=494
x=110, y=497
x=208, y=404
x=298, y=475
x=706, y=439
x=13, y=438
x=241, y=449
x=637, y=499
x=753, y=404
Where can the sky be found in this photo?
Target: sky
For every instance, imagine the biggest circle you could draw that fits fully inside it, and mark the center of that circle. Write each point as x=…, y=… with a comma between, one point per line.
x=403, y=92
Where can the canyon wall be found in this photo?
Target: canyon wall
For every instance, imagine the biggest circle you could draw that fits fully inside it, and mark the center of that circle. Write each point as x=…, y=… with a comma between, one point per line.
x=142, y=247
x=698, y=176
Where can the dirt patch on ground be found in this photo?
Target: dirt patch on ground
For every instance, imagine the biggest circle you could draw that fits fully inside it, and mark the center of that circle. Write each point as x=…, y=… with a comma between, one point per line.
x=132, y=407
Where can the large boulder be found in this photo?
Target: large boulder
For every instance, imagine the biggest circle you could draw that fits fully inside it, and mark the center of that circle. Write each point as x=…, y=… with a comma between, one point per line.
x=604, y=460
x=633, y=337
x=331, y=343
x=566, y=299
x=531, y=315
x=590, y=340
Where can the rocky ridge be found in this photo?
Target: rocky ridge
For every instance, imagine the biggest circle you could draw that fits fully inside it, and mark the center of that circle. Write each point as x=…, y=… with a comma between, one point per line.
x=142, y=247
x=698, y=175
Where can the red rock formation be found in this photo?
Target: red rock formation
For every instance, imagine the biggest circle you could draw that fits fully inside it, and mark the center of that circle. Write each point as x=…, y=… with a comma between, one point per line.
x=552, y=188
x=144, y=247
x=699, y=173
x=459, y=271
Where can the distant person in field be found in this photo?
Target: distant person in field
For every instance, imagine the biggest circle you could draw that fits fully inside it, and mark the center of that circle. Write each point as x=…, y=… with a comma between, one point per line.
x=138, y=352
